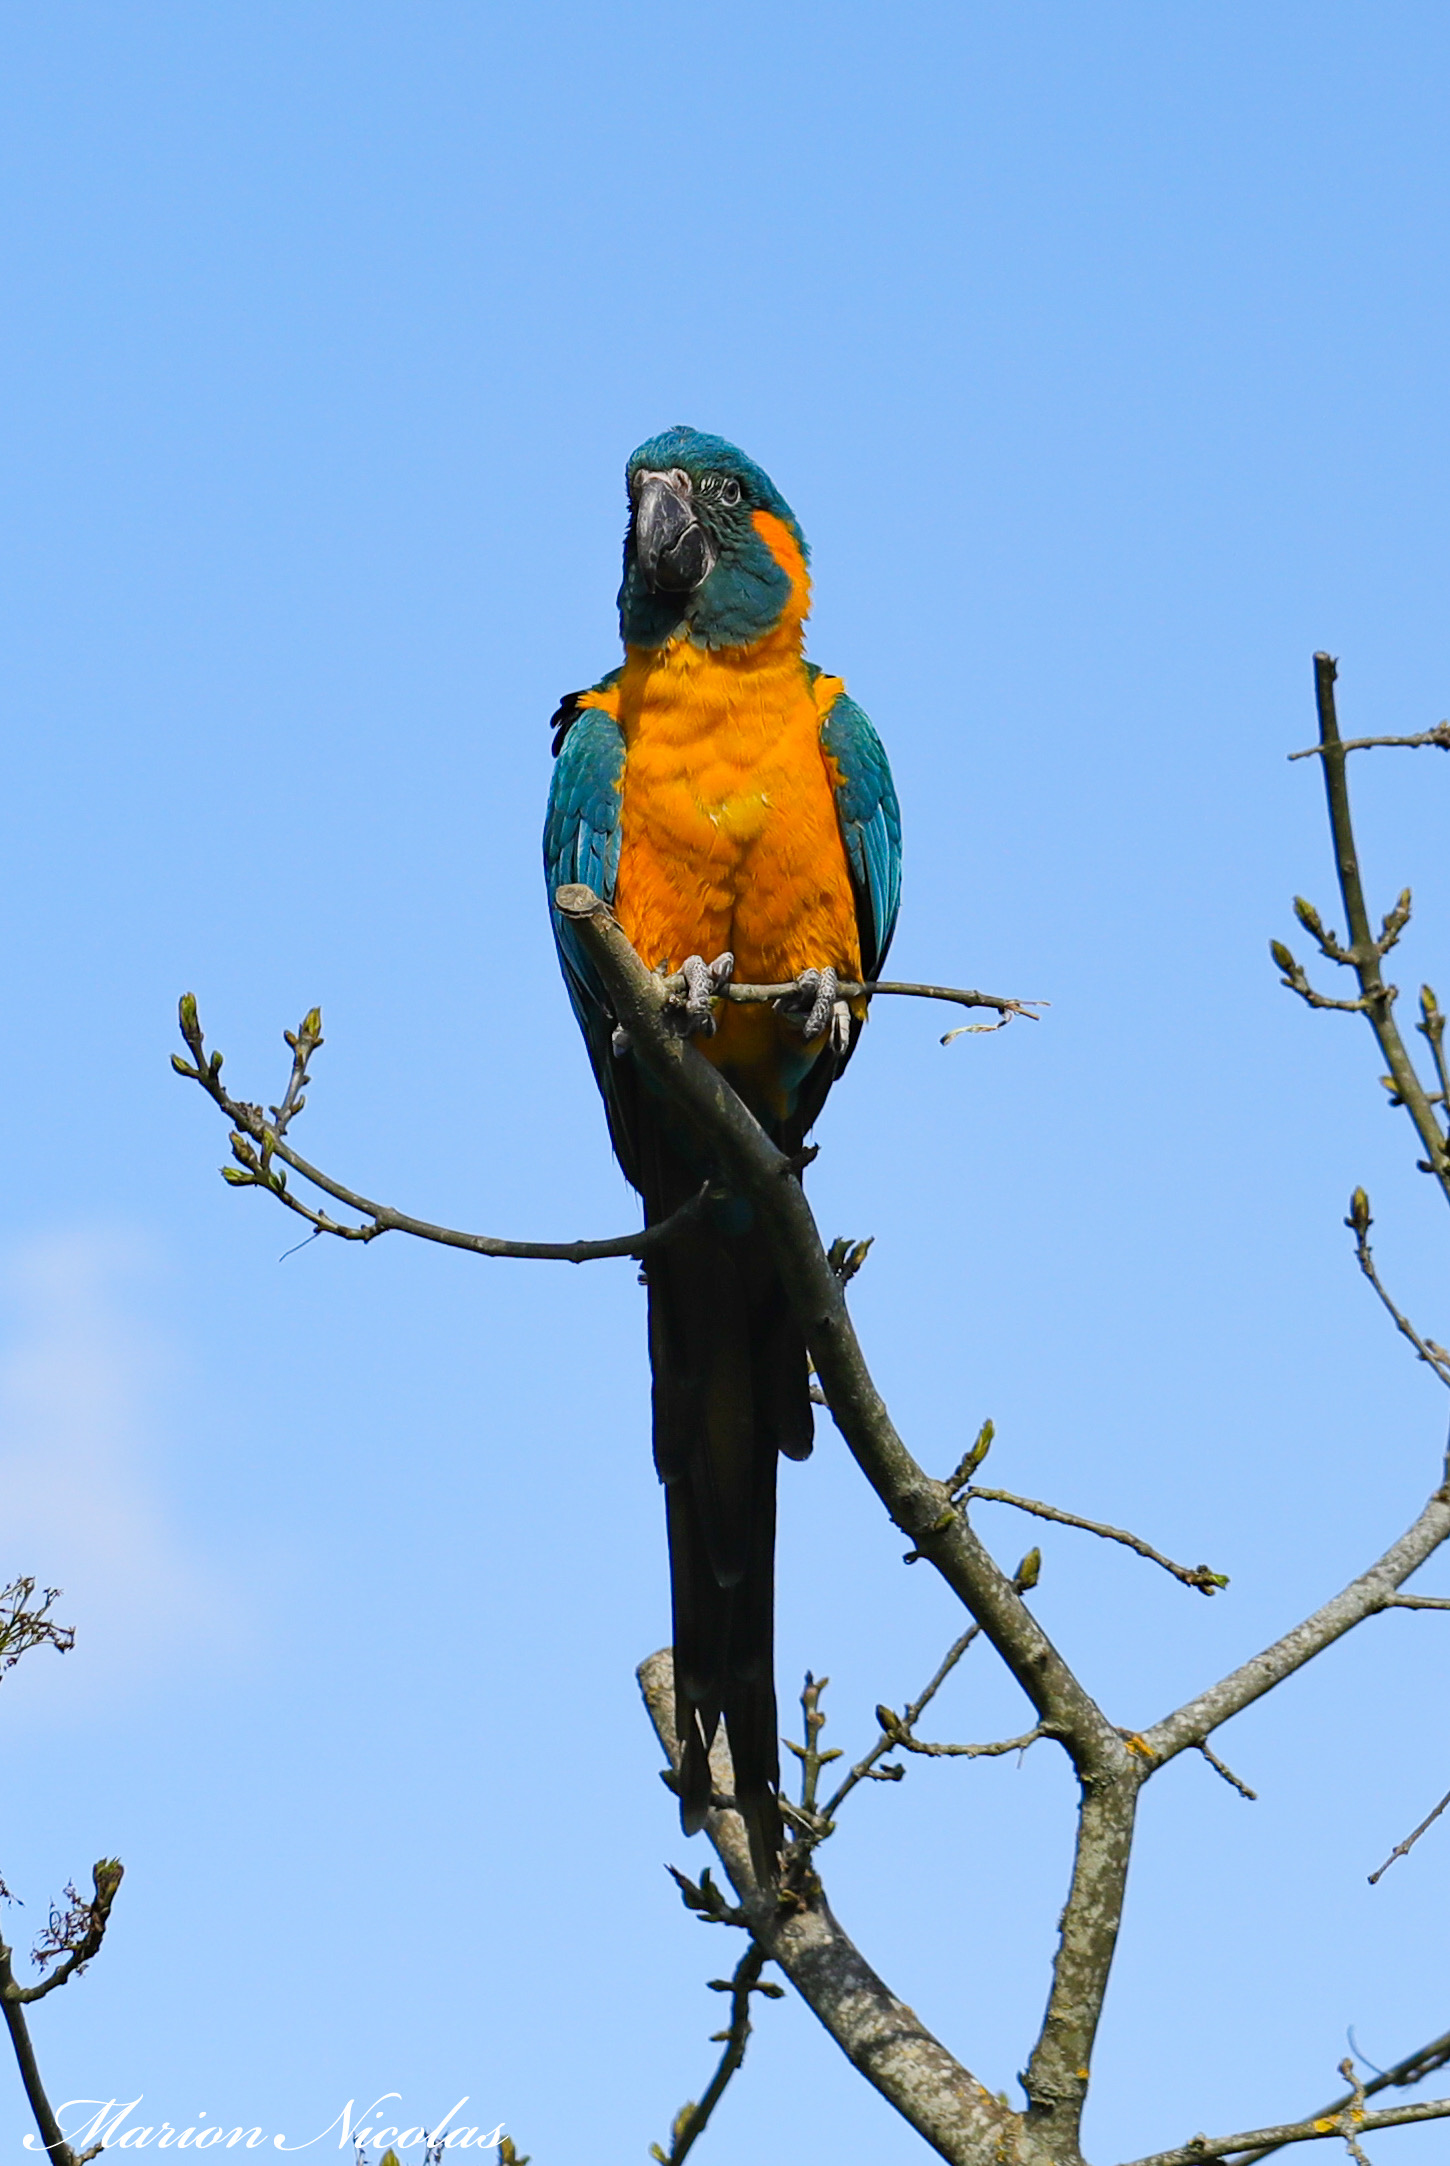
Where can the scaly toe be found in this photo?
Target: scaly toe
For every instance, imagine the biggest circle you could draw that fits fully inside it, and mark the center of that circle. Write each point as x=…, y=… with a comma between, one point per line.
x=823, y=1007
x=692, y=1013
x=812, y=1003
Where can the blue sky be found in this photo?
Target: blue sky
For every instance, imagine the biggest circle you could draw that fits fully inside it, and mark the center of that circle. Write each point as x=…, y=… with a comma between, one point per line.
x=1101, y=354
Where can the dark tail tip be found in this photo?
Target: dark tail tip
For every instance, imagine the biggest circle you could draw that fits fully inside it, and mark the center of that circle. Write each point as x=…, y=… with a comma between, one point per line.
x=765, y=1834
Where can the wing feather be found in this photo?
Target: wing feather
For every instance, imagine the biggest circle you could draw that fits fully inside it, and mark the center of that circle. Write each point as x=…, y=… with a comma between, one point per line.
x=581, y=843
x=870, y=824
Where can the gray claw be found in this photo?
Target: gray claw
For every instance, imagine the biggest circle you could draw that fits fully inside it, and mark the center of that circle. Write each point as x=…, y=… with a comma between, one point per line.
x=813, y=1003
x=841, y=1028
x=692, y=1012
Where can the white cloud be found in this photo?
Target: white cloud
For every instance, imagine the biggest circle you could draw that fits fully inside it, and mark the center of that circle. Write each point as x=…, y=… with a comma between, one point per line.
x=82, y=1495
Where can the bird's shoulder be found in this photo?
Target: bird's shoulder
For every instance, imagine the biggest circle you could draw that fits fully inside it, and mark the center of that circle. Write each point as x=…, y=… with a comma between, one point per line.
x=600, y=698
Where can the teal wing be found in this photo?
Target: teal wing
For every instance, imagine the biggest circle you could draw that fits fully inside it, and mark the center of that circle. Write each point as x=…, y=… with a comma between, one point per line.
x=581, y=843
x=870, y=825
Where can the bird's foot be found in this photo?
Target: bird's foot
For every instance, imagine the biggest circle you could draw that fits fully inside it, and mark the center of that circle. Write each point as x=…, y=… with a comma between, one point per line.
x=692, y=1013
x=813, y=1005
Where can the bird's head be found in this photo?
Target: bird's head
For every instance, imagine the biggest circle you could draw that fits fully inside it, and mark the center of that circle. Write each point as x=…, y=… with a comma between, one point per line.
x=713, y=553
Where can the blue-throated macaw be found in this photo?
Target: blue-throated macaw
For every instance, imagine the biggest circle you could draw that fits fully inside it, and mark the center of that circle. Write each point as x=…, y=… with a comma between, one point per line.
x=730, y=801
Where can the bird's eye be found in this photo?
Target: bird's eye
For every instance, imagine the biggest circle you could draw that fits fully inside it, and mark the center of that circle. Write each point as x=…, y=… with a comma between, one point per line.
x=730, y=490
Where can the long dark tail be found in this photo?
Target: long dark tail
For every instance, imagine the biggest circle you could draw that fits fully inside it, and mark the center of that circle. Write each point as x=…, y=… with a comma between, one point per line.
x=730, y=1394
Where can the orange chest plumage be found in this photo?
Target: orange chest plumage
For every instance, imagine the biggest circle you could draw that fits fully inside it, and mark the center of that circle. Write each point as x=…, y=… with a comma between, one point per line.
x=729, y=833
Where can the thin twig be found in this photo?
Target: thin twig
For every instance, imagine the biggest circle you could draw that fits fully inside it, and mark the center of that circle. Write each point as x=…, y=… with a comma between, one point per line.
x=1418, y=1601
x=1364, y=1597
x=811, y=1758
x=257, y=1142
x=1026, y=1577
x=690, y=2121
x=1412, y=2069
x=1364, y=949
x=870, y=989
x=864, y=1768
x=903, y=1741
x=1439, y=735
x=22, y=1627
x=1359, y=1222
x=1256, y=2142
x=1403, y=1849
x=76, y=1932
x=1229, y=1776
x=1190, y=1575
x=1431, y=1027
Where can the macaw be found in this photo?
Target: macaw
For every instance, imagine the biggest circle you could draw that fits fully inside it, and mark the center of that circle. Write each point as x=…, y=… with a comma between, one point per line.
x=731, y=802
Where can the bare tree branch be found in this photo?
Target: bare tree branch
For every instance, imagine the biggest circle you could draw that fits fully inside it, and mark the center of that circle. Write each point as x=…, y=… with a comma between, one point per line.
x=1372, y=1592
x=881, y=2037
x=1364, y=953
x=77, y=1934
x=903, y=1741
x=752, y=1165
x=1229, y=1776
x=1025, y=1577
x=1402, y=1850
x=691, y=2121
x=22, y=1627
x=810, y=1755
x=1110, y=1773
x=1191, y=1575
x=1431, y=1027
x=51, y=2133
x=871, y=989
x=1056, y=2078
x=257, y=1143
x=1412, y=2069
x=1359, y=1222
x=1258, y=2142
x=1439, y=735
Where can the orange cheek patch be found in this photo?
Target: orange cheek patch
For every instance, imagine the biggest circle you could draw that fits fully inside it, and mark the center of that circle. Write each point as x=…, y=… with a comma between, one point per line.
x=786, y=550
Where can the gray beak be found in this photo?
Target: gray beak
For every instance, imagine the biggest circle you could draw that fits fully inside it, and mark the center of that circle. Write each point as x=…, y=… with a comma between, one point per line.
x=672, y=548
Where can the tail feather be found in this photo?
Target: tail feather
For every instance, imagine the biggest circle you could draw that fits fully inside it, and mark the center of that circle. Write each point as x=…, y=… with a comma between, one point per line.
x=730, y=1394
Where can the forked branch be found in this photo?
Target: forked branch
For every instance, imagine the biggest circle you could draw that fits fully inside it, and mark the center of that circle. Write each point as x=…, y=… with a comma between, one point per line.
x=879, y=2035
x=258, y=1143
x=1363, y=952
x=866, y=1769
x=1414, y=2068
